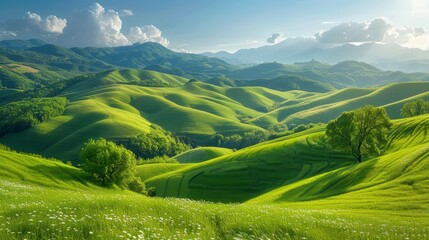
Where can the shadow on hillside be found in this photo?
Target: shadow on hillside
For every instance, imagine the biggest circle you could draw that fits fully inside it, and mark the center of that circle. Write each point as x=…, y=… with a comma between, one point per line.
x=331, y=184
x=61, y=175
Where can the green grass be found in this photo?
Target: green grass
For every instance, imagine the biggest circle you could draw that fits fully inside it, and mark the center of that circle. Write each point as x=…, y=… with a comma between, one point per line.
x=392, y=97
x=121, y=111
x=199, y=110
x=395, y=183
x=293, y=160
x=44, y=199
x=246, y=173
x=148, y=171
x=201, y=154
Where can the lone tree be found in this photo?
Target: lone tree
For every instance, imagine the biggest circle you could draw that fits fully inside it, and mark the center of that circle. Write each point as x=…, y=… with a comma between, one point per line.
x=362, y=131
x=109, y=163
x=415, y=108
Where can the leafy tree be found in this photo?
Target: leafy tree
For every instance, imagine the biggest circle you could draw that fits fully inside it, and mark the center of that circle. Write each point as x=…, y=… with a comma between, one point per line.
x=157, y=143
x=109, y=163
x=415, y=108
x=360, y=132
x=17, y=116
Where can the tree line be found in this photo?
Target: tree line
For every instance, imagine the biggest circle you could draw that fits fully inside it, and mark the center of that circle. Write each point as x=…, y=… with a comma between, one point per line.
x=20, y=115
x=158, y=143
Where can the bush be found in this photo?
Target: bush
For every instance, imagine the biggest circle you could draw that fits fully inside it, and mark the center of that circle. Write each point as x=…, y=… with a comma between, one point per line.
x=108, y=163
x=151, y=192
x=137, y=186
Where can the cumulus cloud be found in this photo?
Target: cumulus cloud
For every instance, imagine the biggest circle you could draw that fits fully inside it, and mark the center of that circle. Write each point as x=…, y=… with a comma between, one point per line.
x=96, y=27
x=91, y=27
x=275, y=38
x=99, y=27
x=378, y=30
x=51, y=24
x=147, y=33
x=33, y=25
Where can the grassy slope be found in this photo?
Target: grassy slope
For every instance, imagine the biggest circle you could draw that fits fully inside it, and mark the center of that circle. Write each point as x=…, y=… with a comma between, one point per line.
x=131, y=76
x=392, y=97
x=121, y=111
x=325, y=107
x=201, y=154
x=16, y=167
x=293, y=160
x=247, y=173
x=197, y=109
x=148, y=171
x=397, y=180
x=43, y=199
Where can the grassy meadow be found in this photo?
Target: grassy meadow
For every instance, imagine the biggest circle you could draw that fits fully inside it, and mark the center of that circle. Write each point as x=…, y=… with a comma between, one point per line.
x=291, y=187
x=45, y=199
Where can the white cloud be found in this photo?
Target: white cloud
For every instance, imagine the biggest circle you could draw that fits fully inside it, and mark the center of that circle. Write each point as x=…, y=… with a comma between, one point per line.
x=275, y=38
x=147, y=33
x=378, y=30
x=94, y=27
x=52, y=24
x=91, y=27
x=126, y=13
x=421, y=42
x=33, y=25
x=99, y=27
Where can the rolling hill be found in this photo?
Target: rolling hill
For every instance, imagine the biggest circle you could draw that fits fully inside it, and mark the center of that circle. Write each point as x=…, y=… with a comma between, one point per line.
x=328, y=106
x=113, y=105
x=341, y=75
x=300, y=170
x=398, y=179
x=246, y=173
x=103, y=106
x=41, y=198
x=201, y=154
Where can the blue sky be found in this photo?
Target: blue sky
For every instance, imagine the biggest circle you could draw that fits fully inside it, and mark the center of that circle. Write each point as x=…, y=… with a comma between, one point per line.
x=206, y=25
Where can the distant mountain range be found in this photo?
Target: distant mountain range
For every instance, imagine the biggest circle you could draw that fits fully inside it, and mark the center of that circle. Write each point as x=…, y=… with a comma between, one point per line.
x=30, y=64
x=391, y=57
x=146, y=55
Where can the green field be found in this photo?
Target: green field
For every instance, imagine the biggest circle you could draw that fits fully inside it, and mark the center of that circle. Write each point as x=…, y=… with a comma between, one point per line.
x=292, y=187
x=109, y=105
x=383, y=198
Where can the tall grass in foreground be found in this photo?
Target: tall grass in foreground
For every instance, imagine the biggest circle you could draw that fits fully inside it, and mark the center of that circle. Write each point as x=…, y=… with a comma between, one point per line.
x=33, y=212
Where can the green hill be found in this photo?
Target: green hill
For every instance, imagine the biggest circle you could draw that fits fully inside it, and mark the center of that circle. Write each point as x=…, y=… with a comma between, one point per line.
x=322, y=108
x=396, y=180
x=300, y=168
x=17, y=167
x=343, y=74
x=289, y=82
x=246, y=173
x=119, y=111
x=148, y=171
x=201, y=154
x=108, y=105
x=43, y=198
x=392, y=97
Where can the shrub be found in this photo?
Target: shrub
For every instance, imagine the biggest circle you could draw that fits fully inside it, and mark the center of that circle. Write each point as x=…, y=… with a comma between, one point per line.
x=108, y=163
